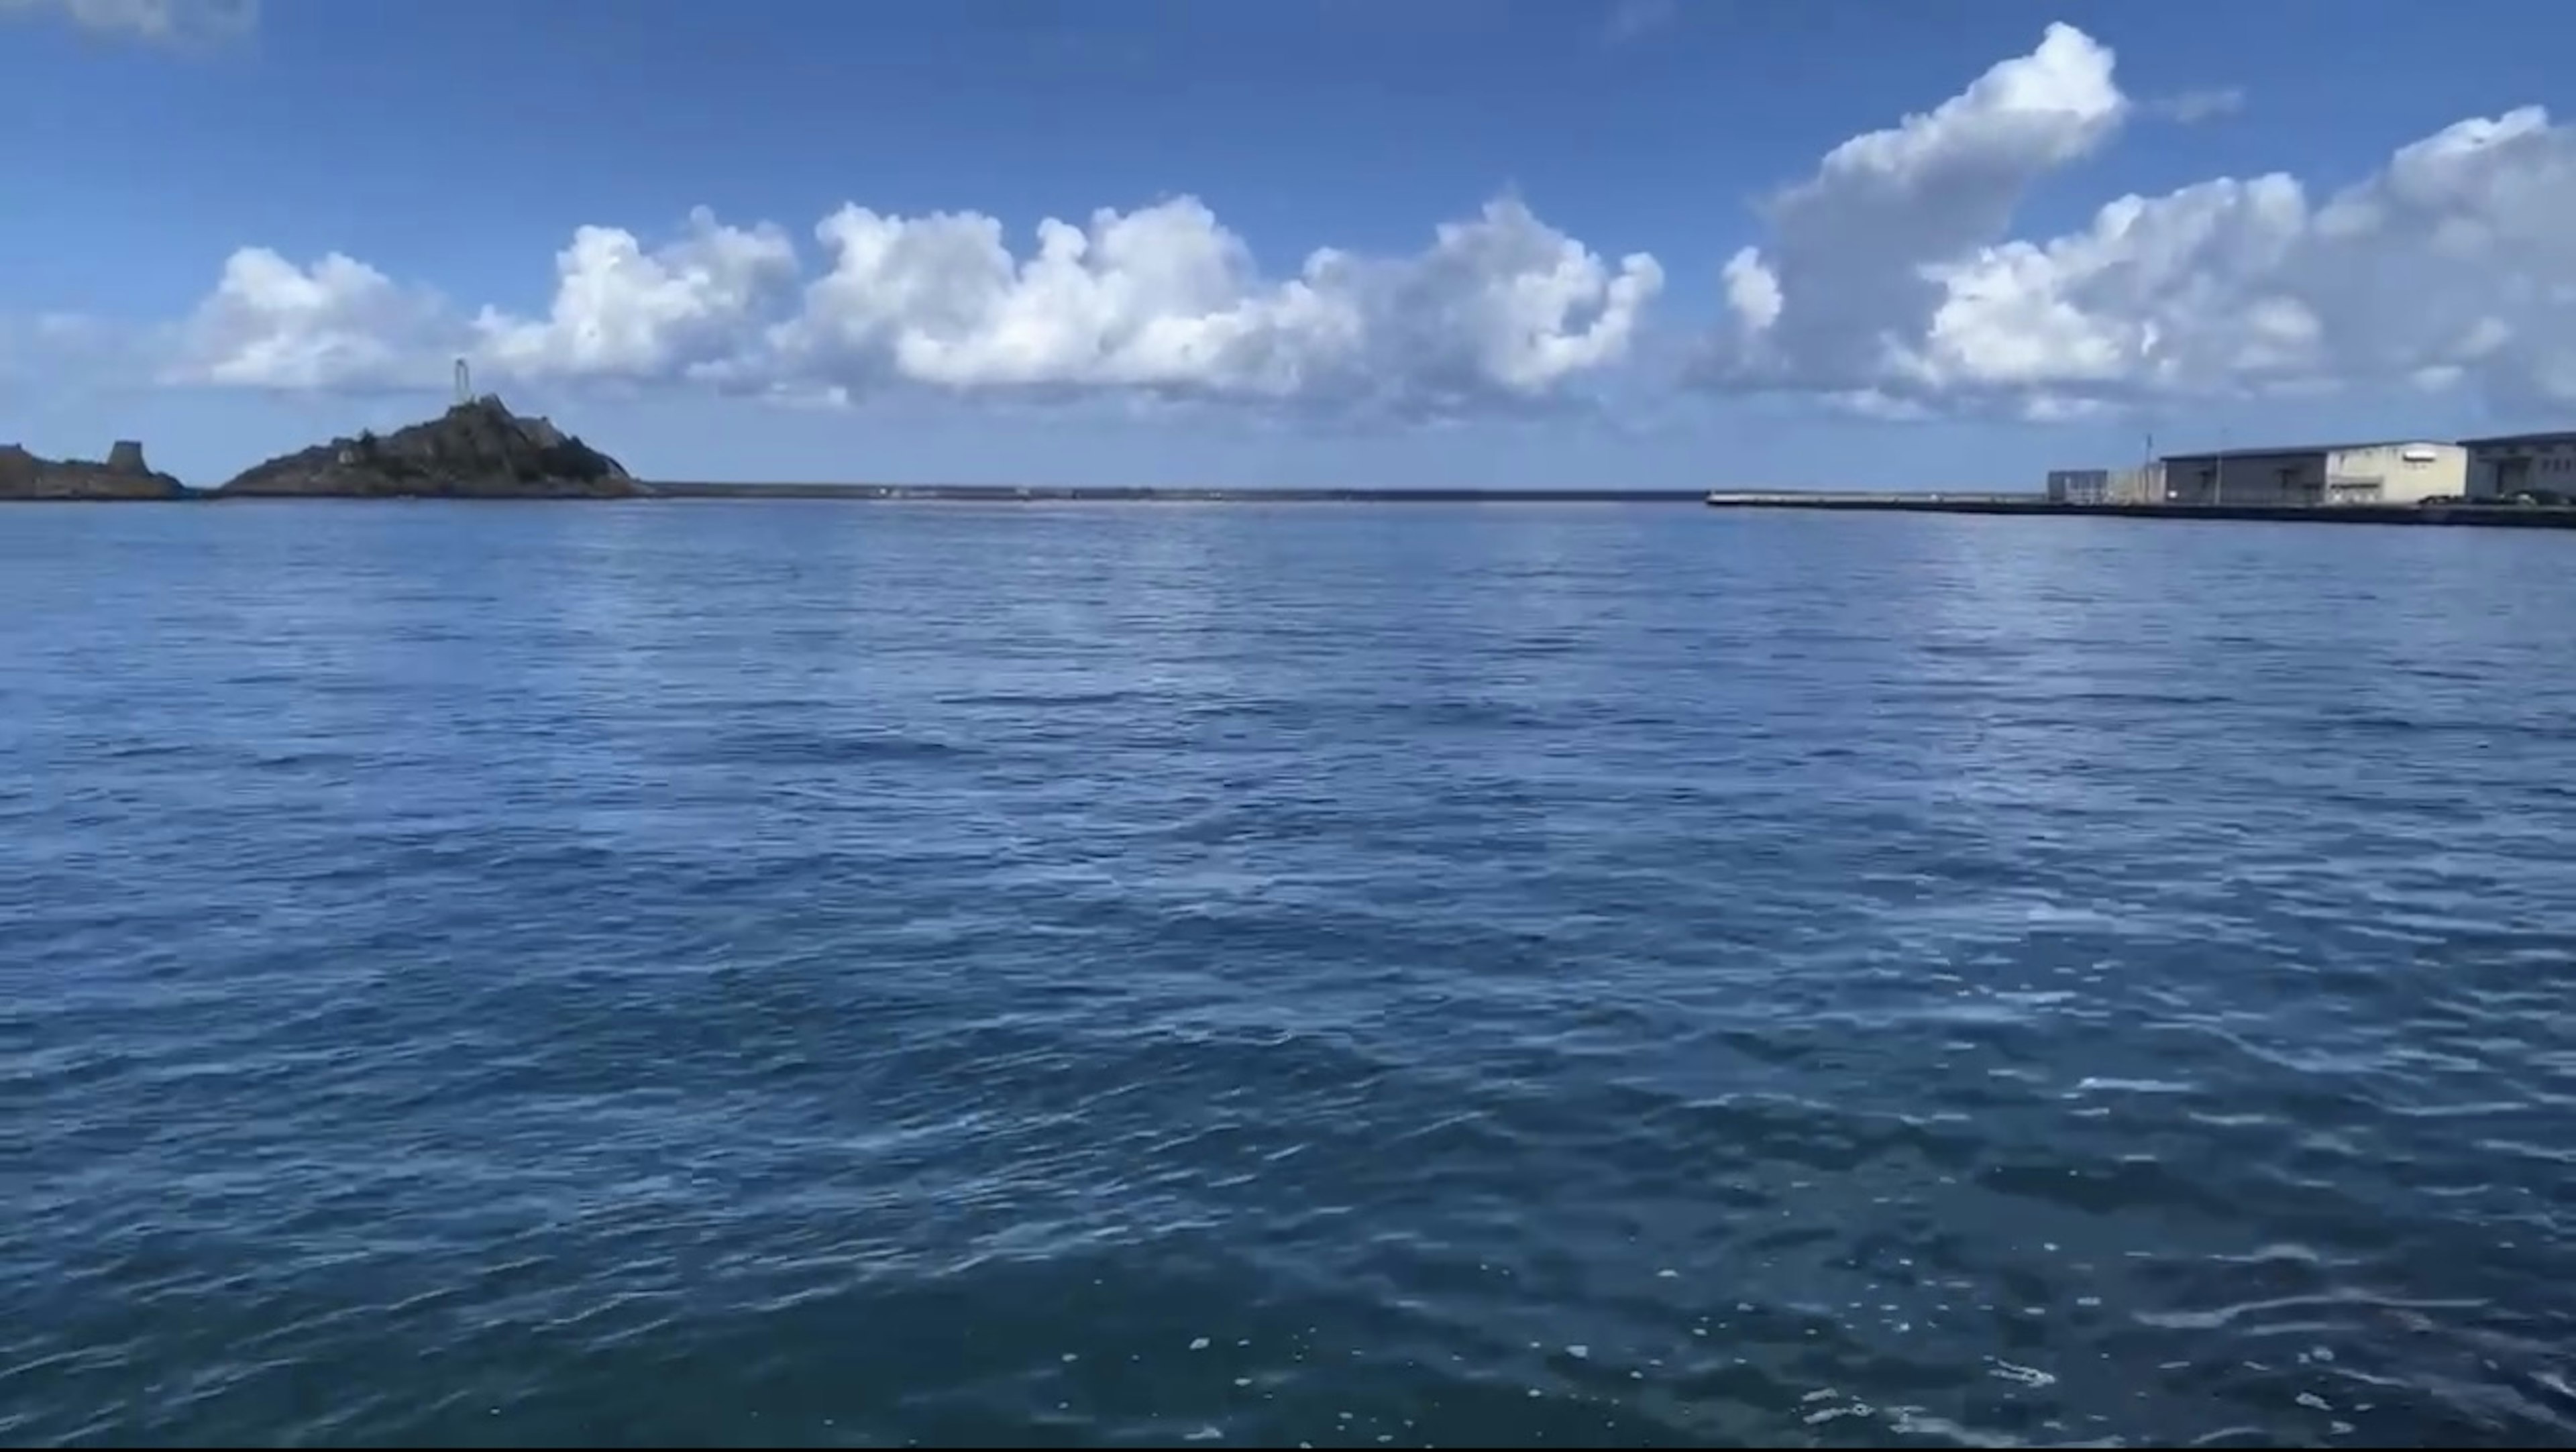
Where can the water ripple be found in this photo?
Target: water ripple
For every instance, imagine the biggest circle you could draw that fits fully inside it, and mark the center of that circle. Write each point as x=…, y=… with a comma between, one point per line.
x=823, y=975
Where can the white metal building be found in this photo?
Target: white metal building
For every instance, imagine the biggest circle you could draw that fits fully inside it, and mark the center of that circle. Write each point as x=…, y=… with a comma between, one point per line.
x=2511, y=464
x=2142, y=485
x=2405, y=471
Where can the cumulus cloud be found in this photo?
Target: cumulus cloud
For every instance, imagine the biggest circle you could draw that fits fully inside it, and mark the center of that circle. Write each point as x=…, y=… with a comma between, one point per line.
x=623, y=312
x=333, y=324
x=1162, y=300
x=152, y=20
x=1847, y=279
x=1890, y=279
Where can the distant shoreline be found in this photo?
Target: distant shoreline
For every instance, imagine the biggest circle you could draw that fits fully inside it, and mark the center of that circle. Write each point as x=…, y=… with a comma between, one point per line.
x=1140, y=494
x=645, y=491
x=2464, y=514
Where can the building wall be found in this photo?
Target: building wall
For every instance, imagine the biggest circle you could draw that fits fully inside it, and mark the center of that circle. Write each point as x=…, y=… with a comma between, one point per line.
x=2078, y=486
x=2246, y=478
x=2107, y=486
x=2494, y=470
x=2144, y=485
x=2397, y=474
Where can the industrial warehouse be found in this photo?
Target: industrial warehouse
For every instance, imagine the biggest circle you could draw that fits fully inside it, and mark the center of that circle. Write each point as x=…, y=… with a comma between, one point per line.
x=2517, y=481
x=2509, y=468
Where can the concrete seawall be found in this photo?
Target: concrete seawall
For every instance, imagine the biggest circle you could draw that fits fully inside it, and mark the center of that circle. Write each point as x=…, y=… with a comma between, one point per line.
x=1142, y=494
x=2489, y=516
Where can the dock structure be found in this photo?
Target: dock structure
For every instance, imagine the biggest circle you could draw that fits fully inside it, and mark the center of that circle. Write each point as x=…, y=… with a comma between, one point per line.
x=1156, y=494
x=2465, y=512
x=1945, y=502
x=2505, y=482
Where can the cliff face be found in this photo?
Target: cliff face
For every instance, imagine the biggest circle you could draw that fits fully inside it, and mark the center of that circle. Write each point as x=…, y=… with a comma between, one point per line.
x=477, y=450
x=124, y=476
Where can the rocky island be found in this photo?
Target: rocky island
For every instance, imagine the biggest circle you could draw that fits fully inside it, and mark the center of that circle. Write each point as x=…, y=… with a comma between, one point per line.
x=476, y=450
x=124, y=476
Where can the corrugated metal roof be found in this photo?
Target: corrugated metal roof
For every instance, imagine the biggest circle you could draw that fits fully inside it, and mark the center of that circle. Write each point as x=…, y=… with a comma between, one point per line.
x=2279, y=451
x=2558, y=436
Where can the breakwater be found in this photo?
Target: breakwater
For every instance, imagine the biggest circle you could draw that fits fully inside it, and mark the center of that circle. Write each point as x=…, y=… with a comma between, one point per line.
x=1141, y=494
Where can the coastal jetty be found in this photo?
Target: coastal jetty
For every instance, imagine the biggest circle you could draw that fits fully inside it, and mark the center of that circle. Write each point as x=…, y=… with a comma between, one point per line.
x=478, y=449
x=123, y=475
x=1148, y=494
x=2456, y=513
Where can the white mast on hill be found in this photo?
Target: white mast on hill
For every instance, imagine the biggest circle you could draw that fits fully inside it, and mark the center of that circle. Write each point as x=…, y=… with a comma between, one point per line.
x=464, y=384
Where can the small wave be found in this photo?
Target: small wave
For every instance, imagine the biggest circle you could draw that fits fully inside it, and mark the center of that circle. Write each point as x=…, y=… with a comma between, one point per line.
x=818, y=748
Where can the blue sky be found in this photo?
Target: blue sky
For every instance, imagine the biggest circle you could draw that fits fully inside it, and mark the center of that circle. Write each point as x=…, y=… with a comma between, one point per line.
x=450, y=151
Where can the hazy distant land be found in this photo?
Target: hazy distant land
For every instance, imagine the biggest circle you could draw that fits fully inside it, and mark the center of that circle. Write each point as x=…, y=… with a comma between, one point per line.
x=479, y=449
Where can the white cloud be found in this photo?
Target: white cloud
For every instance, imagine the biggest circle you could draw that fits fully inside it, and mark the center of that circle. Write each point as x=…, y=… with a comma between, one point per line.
x=1845, y=281
x=1160, y=299
x=1163, y=300
x=336, y=324
x=153, y=20
x=1892, y=275
x=1891, y=280
x=620, y=311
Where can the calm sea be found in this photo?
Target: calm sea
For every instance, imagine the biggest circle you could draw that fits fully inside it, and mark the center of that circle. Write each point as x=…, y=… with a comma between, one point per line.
x=1537, y=975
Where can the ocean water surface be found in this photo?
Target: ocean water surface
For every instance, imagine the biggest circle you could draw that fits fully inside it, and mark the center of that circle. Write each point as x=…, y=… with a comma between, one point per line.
x=1376, y=975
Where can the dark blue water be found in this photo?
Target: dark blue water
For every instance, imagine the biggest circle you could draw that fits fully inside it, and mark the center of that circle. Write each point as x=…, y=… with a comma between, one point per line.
x=824, y=973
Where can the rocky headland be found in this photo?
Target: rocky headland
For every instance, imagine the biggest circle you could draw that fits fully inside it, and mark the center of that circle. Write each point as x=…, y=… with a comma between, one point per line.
x=124, y=475
x=476, y=450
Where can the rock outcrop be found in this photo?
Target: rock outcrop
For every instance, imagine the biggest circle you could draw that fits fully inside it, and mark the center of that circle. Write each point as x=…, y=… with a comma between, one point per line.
x=124, y=476
x=476, y=450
